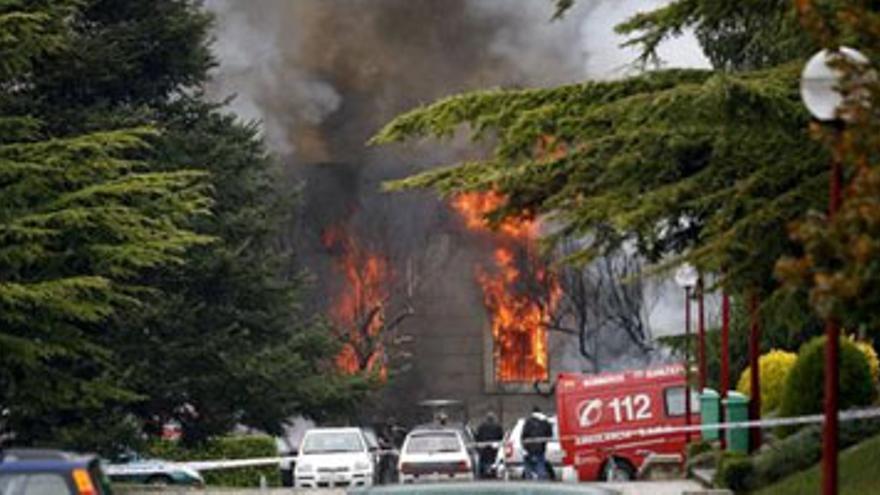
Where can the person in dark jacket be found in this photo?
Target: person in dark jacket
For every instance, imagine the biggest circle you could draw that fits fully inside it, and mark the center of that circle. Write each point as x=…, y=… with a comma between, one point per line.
x=535, y=433
x=489, y=431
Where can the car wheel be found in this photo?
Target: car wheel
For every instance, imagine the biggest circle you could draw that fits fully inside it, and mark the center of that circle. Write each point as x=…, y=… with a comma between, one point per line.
x=618, y=469
x=159, y=480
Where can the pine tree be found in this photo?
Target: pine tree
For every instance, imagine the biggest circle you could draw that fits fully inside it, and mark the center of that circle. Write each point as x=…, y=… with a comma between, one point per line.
x=81, y=217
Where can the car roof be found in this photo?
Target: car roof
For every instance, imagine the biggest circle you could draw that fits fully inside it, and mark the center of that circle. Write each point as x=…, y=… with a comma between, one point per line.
x=428, y=431
x=31, y=460
x=347, y=429
x=487, y=488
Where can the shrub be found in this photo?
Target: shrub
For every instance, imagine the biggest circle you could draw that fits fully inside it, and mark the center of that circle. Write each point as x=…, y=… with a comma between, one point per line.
x=787, y=456
x=804, y=388
x=232, y=447
x=774, y=366
x=735, y=471
x=697, y=448
x=873, y=362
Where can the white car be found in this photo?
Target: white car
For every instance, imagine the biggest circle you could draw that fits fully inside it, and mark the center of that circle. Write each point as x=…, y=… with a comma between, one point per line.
x=435, y=454
x=509, y=463
x=334, y=457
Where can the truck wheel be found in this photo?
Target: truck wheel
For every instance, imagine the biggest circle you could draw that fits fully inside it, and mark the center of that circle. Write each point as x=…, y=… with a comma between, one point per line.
x=618, y=469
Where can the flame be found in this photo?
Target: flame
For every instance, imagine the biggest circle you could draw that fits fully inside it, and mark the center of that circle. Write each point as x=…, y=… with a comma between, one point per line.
x=359, y=309
x=518, y=290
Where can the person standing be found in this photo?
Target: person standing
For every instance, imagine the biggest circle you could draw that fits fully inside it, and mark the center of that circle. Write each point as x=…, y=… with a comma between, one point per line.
x=489, y=435
x=535, y=433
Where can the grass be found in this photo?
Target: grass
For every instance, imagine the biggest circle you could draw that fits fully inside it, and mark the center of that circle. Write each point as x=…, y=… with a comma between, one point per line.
x=859, y=473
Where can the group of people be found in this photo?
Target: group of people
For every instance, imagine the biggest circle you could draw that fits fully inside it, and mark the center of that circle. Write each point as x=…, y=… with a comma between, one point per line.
x=534, y=436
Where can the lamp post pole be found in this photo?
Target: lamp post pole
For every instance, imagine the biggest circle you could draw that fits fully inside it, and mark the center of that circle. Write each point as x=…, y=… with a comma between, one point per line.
x=830, y=433
x=725, y=358
x=701, y=334
x=687, y=363
x=755, y=374
x=687, y=277
x=821, y=93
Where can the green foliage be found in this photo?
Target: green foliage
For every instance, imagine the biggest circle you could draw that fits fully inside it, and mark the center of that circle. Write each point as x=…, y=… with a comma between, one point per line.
x=774, y=368
x=804, y=390
x=231, y=447
x=80, y=219
x=242, y=290
x=104, y=235
x=735, y=471
x=634, y=159
x=734, y=35
x=836, y=263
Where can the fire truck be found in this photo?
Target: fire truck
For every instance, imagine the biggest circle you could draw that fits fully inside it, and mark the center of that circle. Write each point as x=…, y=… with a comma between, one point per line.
x=612, y=424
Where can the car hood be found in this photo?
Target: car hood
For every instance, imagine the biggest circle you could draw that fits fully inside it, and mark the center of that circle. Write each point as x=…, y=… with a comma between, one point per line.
x=434, y=457
x=347, y=459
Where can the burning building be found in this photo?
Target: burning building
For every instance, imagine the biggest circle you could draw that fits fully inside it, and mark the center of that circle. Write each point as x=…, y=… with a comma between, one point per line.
x=419, y=290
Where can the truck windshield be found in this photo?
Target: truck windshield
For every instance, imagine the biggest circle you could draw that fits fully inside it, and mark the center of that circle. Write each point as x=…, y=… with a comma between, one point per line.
x=674, y=398
x=427, y=443
x=332, y=442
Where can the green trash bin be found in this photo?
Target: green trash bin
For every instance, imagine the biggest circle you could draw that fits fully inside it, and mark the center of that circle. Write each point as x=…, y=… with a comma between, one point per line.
x=710, y=413
x=736, y=409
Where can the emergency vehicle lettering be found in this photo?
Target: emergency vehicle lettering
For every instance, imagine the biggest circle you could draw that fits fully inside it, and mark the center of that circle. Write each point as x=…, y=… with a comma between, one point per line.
x=672, y=370
x=603, y=380
x=631, y=408
x=590, y=412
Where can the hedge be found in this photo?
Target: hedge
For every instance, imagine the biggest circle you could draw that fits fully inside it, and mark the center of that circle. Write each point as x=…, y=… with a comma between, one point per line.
x=804, y=388
x=231, y=447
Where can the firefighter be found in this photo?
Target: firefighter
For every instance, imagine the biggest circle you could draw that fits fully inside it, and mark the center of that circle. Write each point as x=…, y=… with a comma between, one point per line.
x=489, y=431
x=535, y=433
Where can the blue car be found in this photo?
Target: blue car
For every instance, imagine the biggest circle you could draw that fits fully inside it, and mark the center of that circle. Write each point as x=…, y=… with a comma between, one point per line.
x=50, y=472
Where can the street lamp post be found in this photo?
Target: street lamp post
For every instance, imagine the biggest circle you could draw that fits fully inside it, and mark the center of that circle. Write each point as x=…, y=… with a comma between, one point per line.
x=821, y=94
x=701, y=334
x=686, y=277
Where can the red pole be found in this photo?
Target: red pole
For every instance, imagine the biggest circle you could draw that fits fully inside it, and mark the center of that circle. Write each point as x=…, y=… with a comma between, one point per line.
x=725, y=357
x=754, y=364
x=832, y=350
x=687, y=363
x=701, y=332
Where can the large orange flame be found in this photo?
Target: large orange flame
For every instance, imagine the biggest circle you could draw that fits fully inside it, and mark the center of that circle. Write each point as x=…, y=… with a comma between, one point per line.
x=518, y=290
x=359, y=309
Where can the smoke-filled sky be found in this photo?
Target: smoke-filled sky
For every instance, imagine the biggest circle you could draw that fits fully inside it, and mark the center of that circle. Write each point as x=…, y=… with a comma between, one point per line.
x=293, y=63
x=323, y=75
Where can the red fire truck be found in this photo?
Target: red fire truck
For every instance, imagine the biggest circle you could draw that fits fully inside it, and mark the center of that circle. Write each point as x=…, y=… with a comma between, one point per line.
x=610, y=424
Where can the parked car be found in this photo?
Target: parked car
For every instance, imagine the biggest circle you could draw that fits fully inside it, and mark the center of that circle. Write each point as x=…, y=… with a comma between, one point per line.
x=334, y=457
x=51, y=472
x=132, y=468
x=509, y=462
x=435, y=454
x=602, y=418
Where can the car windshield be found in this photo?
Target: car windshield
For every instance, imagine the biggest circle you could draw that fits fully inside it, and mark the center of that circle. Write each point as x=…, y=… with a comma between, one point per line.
x=428, y=443
x=332, y=442
x=33, y=484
